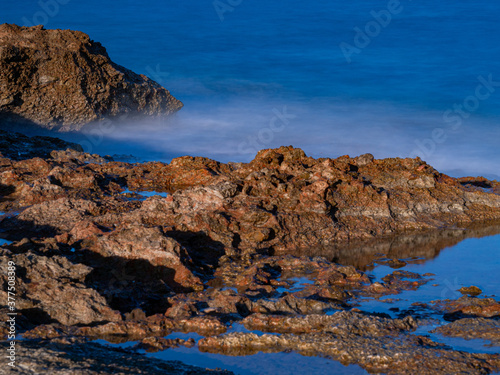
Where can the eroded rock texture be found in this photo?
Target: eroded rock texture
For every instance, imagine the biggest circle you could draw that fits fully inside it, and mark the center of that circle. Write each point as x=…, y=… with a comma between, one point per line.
x=281, y=201
x=73, y=357
x=61, y=79
x=377, y=344
x=230, y=243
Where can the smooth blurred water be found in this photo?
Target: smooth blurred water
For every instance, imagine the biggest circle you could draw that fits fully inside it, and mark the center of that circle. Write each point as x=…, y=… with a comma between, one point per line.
x=266, y=57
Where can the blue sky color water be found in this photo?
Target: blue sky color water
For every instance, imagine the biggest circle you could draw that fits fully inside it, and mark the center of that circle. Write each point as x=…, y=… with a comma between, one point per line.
x=394, y=78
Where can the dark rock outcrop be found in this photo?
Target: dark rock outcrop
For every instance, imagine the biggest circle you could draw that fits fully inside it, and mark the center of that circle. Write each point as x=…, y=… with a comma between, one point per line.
x=17, y=146
x=74, y=357
x=61, y=79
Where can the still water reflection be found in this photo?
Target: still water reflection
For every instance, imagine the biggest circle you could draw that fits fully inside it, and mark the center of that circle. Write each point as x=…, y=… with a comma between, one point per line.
x=415, y=248
x=456, y=257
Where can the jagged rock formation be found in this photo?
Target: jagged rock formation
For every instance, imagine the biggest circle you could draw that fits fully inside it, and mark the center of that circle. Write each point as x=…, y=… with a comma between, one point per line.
x=225, y=245
x=17, y=146
x=61, y=79
x=281, y=201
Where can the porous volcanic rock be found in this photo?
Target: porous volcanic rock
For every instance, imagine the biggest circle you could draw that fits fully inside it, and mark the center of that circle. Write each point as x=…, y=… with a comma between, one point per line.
x=377, y=344
x=61, y=79
x=231, y=243
x=284, y=200
x=75, y=357
x=473, y=328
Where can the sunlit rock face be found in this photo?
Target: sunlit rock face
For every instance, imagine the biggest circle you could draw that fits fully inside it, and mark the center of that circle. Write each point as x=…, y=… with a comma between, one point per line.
x=61, y=79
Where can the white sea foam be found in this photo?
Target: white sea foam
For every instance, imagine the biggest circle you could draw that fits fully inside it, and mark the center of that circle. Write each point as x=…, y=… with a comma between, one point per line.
x=235, y=130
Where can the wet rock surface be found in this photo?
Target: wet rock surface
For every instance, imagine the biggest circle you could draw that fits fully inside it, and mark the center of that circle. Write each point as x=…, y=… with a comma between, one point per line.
x=62, y=80
x=473, y=328
x=72, y=357
x=378, y=344
x=17, y=146
x=467, y=306
x=280, y=202
x=235, y=244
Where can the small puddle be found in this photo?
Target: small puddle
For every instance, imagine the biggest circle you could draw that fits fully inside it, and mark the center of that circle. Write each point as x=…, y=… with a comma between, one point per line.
x=474, y=261
x=298, y=284
x=458, y=343
x=229, y=288
x=456, y=258
x=142, y=195
x=260, y=363
x=4, y=214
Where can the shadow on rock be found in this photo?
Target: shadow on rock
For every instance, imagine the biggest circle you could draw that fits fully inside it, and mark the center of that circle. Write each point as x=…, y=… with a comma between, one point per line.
x=111, y=272
x=130, y=284
x=204, y=251
x=5, y=191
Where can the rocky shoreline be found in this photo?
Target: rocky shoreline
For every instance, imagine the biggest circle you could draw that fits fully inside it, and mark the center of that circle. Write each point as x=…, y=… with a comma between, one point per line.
x=74, y=357
x=98, y=255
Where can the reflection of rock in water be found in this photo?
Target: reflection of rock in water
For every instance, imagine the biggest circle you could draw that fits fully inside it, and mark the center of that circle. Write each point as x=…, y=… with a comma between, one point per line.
x=377, y=344
x=362, y=254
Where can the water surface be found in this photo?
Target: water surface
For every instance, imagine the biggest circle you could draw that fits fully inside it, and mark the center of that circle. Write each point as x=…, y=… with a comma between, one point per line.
x=266, y=74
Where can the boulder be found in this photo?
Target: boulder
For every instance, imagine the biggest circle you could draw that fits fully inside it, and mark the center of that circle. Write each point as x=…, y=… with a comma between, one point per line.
x=62, y=80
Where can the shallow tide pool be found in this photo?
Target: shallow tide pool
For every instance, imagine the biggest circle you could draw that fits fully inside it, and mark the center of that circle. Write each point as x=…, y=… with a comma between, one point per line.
x=468, y=261
x=260, y=363
x=142, y=195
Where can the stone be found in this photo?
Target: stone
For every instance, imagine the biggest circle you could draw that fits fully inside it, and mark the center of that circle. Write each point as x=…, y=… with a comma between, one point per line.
x=63, y=80
x=379, y=345
x=76, y=356
x=471, y=290
x=472, y=328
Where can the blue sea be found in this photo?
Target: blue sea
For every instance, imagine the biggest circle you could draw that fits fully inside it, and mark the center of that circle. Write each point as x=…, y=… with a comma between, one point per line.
x=394, y=78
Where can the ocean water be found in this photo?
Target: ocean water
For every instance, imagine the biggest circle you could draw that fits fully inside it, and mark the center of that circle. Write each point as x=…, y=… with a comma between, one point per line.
x=394, y=78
